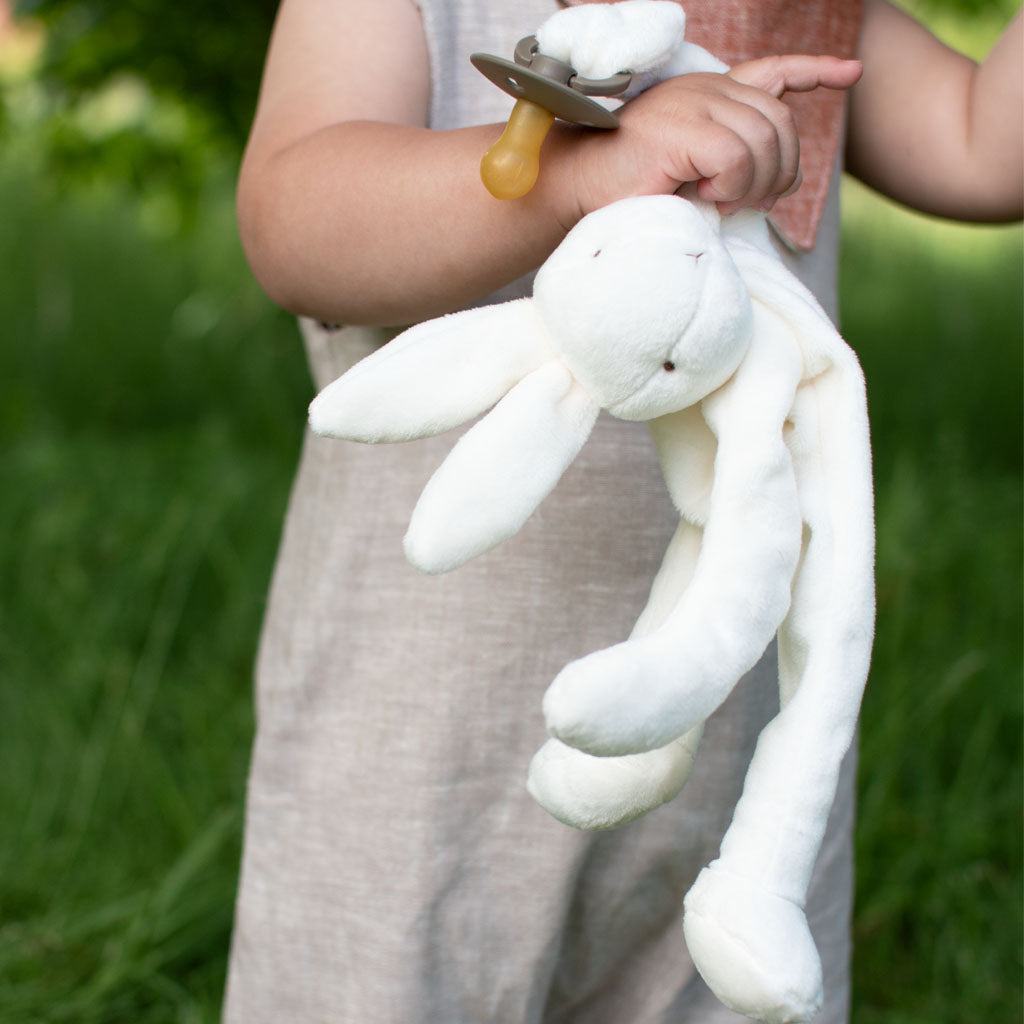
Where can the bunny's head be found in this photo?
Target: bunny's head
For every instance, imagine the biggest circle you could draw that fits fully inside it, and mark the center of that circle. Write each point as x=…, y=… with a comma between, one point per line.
x=644, y=306
x=641, y=311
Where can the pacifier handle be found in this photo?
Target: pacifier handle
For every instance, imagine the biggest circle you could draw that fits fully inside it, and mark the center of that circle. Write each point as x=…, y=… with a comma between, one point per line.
x=544, y=88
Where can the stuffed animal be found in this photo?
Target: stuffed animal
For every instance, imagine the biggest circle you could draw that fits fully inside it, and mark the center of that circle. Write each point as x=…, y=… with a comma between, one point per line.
x=657, y=309
x=654, y=310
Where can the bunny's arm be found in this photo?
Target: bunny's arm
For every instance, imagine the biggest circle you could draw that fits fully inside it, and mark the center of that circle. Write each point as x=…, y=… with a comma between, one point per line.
x=434, y=376
x=647, y=691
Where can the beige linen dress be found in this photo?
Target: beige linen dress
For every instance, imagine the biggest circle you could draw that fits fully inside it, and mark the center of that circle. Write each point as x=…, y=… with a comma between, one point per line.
x=395, y=870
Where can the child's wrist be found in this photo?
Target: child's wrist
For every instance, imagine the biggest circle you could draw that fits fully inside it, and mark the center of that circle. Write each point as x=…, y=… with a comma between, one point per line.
x=559, y=184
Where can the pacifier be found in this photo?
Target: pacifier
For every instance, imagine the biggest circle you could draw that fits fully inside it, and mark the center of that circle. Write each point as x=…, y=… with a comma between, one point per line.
x=544, y=88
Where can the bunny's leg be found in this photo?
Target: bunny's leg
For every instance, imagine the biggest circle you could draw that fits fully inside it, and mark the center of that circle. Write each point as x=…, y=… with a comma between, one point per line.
x=591, y=792
x=645, y=692
x=745, y=922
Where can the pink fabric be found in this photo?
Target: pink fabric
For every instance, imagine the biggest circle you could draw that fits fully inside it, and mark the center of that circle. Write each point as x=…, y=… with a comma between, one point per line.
x=735, y=32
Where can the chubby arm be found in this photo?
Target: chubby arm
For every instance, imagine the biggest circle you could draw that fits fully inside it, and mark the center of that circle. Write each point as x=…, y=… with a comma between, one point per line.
x=933, y=129
x=351, y=210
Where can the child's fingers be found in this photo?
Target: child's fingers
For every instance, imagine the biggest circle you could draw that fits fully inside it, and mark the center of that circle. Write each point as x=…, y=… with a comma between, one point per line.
x=731, y=133
x=759, y=85
x=741, y=140
x=766, y=151
x=797, y=73
x=737, y=165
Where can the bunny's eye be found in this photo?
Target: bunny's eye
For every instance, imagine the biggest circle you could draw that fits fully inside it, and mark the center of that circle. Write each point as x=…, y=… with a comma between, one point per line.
x=594, y=255
x=668, y=366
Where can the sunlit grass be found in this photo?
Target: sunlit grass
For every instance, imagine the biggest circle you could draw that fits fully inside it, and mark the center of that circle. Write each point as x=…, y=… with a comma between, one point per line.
x=969, y=31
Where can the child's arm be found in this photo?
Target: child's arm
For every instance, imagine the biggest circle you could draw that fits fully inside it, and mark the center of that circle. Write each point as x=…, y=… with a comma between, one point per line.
x=931, y=128
x=351, y=211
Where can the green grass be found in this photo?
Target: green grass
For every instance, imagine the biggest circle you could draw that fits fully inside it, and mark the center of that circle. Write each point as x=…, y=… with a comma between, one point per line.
x=150, y=414
x=935, y=312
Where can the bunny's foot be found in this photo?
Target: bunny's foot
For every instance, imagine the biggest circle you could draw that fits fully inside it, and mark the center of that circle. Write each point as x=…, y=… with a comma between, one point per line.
x=753, y=948
x=604, y=792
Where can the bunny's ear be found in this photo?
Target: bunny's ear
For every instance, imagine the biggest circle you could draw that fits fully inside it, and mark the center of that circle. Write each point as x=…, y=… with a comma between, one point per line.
x=434, y=376
x=501, y=470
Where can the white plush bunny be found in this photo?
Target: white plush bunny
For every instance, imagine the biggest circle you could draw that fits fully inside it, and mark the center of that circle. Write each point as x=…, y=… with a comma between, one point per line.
x=656, y=309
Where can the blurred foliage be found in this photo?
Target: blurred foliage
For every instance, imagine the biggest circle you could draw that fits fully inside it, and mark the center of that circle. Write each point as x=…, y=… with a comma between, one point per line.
x=201, y=52
x=73, y=115
x=144, y=92
x=205, y=54
x=961, y=8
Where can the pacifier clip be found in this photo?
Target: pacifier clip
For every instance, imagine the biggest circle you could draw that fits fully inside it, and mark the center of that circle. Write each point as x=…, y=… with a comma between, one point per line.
x=544, y=88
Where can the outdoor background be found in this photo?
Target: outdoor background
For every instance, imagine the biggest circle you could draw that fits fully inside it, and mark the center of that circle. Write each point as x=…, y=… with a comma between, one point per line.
x=151, y=408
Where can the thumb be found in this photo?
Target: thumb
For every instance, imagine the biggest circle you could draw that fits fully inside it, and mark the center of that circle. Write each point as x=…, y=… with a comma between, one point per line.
x=797, y=73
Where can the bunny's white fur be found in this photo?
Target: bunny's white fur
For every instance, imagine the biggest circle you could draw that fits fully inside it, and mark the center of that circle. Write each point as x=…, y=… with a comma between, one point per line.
x=656, y=309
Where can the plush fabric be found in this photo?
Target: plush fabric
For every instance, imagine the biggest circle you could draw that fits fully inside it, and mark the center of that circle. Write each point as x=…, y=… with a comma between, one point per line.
x=645, y=37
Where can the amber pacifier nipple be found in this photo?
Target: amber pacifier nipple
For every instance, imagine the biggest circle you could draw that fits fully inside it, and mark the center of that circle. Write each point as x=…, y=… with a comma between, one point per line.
x=544, y=88
x=510, y=167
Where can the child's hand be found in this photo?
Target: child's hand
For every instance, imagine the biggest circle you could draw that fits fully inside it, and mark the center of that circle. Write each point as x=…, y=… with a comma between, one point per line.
x=730, y=134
